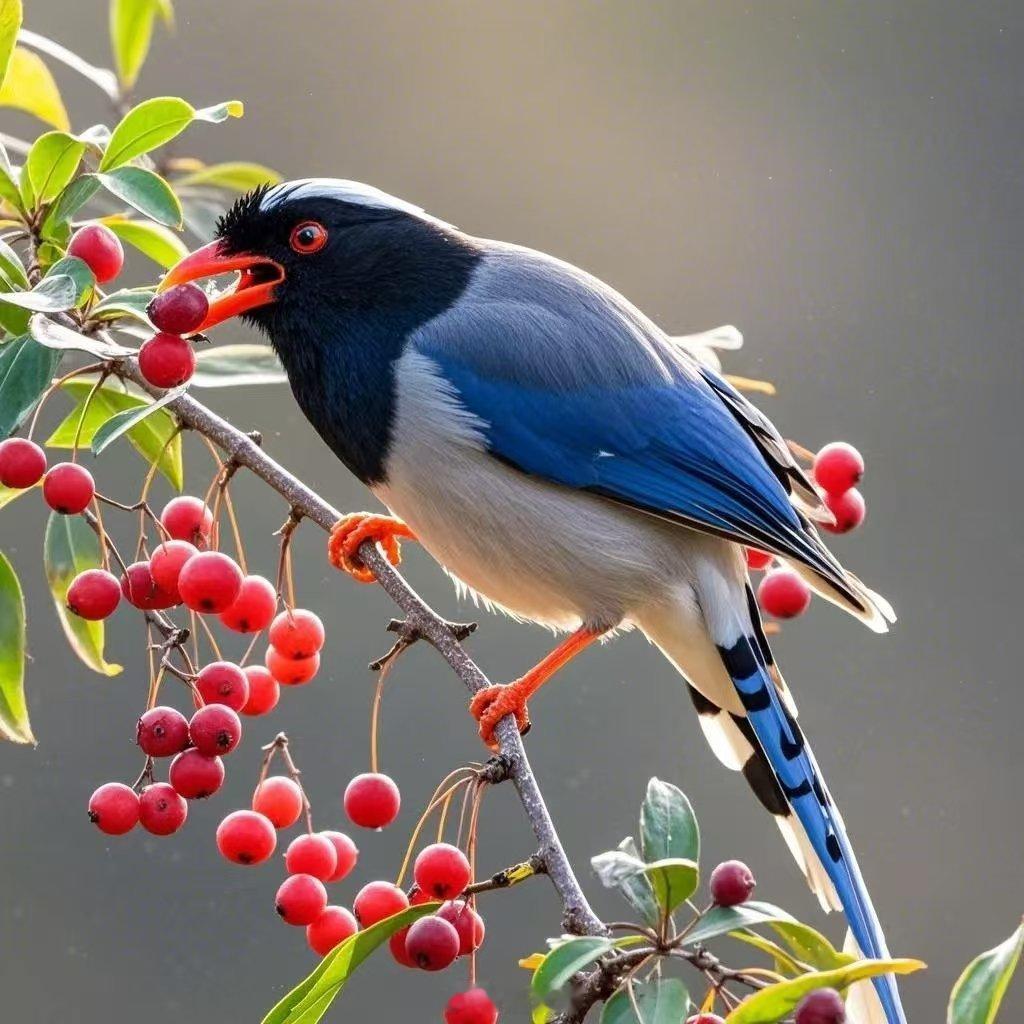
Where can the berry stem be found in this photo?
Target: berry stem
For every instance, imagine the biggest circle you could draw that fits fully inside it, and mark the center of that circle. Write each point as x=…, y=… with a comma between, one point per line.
x=280, y=745
x=59, y=382
x=285, y=577
x=94, y=391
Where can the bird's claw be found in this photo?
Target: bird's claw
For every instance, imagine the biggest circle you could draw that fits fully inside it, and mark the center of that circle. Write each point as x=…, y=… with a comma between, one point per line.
x=493, y=703
x=354, y=530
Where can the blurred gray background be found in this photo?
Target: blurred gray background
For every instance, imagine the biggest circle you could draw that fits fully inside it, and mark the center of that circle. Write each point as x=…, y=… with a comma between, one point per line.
x=843, y=182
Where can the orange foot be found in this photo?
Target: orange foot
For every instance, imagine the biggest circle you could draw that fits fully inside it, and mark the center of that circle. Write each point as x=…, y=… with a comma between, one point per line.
x=353, y=530
x=493, y=703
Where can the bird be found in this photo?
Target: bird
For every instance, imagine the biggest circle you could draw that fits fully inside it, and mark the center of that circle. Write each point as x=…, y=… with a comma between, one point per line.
x=561, y=457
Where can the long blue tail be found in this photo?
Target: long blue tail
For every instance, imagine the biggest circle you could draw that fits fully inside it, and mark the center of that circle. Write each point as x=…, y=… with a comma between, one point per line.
x=799, y=777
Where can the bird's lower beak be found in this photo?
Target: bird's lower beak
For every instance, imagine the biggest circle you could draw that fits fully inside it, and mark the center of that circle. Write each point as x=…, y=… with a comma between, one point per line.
x=256, y=286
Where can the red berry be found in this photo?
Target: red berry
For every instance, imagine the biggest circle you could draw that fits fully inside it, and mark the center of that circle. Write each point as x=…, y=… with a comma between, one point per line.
x=291, y=671
x=300, y=899
x=253, y=609
x=372, y=800
x=142, y=591
x=22, y=463
x=209, y=582
x=99, y=249
x=279, y=799
x=848, y=508
x=397, y=946
x=377, y=900
x=179, y=309
x=162, y=809
x=467, y=922
x=472, y=1007
x=442, y=871
x=188, y=518
x=196, y=776
x=114, y=808
x=784, y=594
x=822, y=1006
x=167, y=360
x=732, y=882
x=223, y=682
x=162, y=731
x=347, y=854
x=215, y=730
x=705, y=1018
x=311, y=854
x=297, y=634
x=68, y=488
x=838, y=467
x=264, y=692
x=167, y=561
x=757, y=559
x=432, y=943
x=245, y=837
x=94, y=594
x=330, y=929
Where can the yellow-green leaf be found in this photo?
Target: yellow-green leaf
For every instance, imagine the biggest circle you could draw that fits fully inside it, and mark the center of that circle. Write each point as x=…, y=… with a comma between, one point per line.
x=8, y=494
x=71, y=547
x=29, y=86
x=13, y=710
x=51, y=163
x=979, y=991
x=131, y=31
x=10, y=22
x=237, y=176
x=771, y=1004
x=160, y=244
x=560, y=965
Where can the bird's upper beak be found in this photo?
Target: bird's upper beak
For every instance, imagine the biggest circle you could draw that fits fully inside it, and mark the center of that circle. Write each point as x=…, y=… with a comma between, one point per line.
x=257, y=281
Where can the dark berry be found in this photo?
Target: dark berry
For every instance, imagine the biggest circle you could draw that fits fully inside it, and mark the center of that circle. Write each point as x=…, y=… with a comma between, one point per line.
x=215, y=730
x=209, y=582
x=432, y=943
x=162, y=732
x=180, y=309
x=838, y=467
x=188, y=518
x=330, y=929
x=377, y=900
x=472, y=1007
x=279, y=799
x=167, y=561
x=347, y=853
x=114, y=808
x=311, y=854
x=264, y=693
x=94, y=594
x=68, y=488
x=784, y=594
x=22, y=463
x=467, y=922
x=162, y=809
x=442, y=871
x=297, y=634
x=372, y=800
x=142, y=591
x=300, y=899
x=196, y=776
x=167, y=360
x=822, y=1006
x=291, y=671
x=253, y=610
x=245, y=837
x=223, y=682
x=848, y=508
x=99, y=249
x=732, y=882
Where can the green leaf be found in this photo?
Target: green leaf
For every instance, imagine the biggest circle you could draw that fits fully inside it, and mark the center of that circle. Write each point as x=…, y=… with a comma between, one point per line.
x=125, y=421
x=10, y=22
x=772, y=1004
x=160, y=244
x=26, y=369
x=146, y=192
x=236, y=176
x=228, y=366
x=80, y=274
x=149, y=437
x=311, y=998
x=720, y=920
x=674, y=881
x=56, y=336
x=976, y=996
x=784, y=961
x=131, y=30
x=8, y=494
x=563, y=962
x=11, y=267
x=154, y=122
x=29, y=86
x=127, y=302
x=51, y=295
x=51, y=163
x=69, y=202
x=71, y=547
x=638, y=890
x=668, y=826
x=617, y=866
x=14, y=723
x=660, y=1002
x=811, y=946
x=9, y=190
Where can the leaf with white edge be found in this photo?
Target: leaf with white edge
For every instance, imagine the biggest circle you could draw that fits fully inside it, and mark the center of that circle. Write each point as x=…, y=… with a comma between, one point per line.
x=721, y=920
x=979, y=991
x=674, y=881
x=637, y=890
x=14, y=723
x=668, y=826
x=770, y=1005
x=616, y=866
x=220, y=112
x=146, y=192
x=69, y=202
x=160, y=244
x=79, y=272
x=11, y=267
x=311, y=998
x=227, y=366
x=29, y=86
x=124, y=421
x=51, y=163
x=52, y=295
x=236, y=176
x=131, y=31
x=25, y=372
x=664, y=1001
x=130, y=302
x=10, y=23
x=563, y=962
x=55, y=336
x=811, y=946
x=104, y=78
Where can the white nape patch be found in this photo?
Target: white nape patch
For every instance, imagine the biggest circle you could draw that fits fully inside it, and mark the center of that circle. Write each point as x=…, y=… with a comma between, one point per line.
x=340, y=189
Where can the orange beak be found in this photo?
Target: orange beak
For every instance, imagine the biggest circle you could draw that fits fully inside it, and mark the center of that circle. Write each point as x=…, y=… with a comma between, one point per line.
x=256, y=286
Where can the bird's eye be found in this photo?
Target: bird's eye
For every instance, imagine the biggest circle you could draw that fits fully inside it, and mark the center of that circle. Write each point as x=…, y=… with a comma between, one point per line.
x=308, y=237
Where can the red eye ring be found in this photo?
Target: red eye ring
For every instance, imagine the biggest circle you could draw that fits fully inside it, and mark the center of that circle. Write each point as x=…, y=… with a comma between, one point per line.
x=308, y=237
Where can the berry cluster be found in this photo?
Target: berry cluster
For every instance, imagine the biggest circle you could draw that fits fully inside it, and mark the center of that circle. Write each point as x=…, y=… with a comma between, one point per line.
x=68, y=488
x=837, y=469
x=167, y=359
